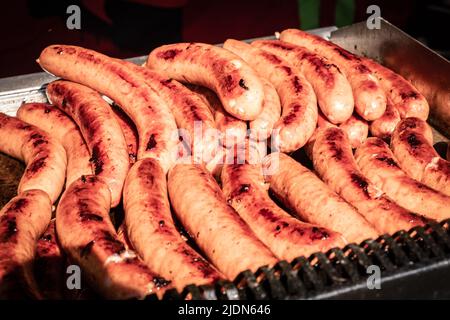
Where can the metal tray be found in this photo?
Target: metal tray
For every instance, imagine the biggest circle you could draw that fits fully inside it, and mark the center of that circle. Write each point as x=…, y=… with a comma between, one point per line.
x=413, y=264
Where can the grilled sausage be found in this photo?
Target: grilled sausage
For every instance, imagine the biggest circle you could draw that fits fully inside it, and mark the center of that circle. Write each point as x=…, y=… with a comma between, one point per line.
x=100, y=129
x=333, y=91
x=356, y=129
x=333, y=161
x=405, y=98
x=88, y=237
x=261, y=128
x=152, y=232
x=322, y=122
x=378, y=164
x=191, y=113
x=370, y=99
x=235, y=83
x=158, y=136
x=220, y=233
x=129, y=133
x=286, y=236
x=22, y=221
x=298, y=101
x=44, y=156
x=48, y=266
x=313, y=201
x=123, y=237
x=385, y=125
x=57, y=124
x=412, y=144
x=233, y=130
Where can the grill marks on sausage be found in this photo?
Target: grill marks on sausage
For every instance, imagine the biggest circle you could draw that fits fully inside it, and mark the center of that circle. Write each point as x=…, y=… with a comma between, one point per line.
x=151, y=142
x=387, y=160
x=322, y=68
x=36, y=165
x=361, y=182
x=271, y=57
x=409, y=95
x=9, y=228
x=38, y=139
x=202, y=265
x=169, y=54
x=292, y=115
x=97, y=159
x=344, y=53
x=413, y=141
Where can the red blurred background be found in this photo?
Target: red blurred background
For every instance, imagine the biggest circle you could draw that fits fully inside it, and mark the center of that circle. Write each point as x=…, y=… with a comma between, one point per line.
x=131, y=28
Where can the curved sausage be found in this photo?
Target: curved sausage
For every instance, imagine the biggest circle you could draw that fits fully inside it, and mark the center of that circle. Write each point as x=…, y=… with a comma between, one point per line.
x=404, y=96
x=235, y=83
x=298, y=101
x=357, y=130
x=412, y=144
x=385, y=125
x=152, y=232
x=88, y=237
x=261, y=128
x=233, y=130
x=100, y=129
x=44, y=156
x=370, y=99
x=286, y=236
x=59, y=125
x=22, y=221
x=333, y=161
x=378, y=164
x=49, y=265
x=123, y=237
x=313, y=201
x=158, y=135
x=217, y=229
x=129, y=132
x=333, y=91
x=191, y=113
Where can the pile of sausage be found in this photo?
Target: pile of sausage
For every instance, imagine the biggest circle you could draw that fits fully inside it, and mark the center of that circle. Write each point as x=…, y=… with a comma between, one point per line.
x=85, y=156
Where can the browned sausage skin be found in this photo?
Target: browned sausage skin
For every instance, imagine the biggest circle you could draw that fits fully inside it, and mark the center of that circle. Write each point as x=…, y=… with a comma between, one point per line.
x=100, y=129
x=313, y=201
x=59, y=125
x=44, y=156
x=152, y=232
x=370, y=99
x=22, y=221
x=286, y=236
x=356, y=129
x=379, y=165
x=334, y=93
x=298, y=101
x=412, y=144
x=334, y=162
x=88, y=237
x=235, y=83
x=385, y=125
x=218, y=230
x=405, y=98
x=129, y=133
x=158, y=136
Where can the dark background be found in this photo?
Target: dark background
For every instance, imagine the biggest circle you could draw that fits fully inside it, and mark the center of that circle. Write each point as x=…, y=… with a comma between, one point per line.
x=131, y=28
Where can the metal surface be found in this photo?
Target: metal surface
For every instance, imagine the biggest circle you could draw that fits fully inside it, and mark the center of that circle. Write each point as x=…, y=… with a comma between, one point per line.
x=428, y=71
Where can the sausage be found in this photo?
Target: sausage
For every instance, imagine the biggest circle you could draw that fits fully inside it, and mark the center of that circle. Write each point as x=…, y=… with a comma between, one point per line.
x=369, y=97
x=334, y=162
x=123, y=237
x=378, y=164
x=58, y=125
x=286, y=236
x=236, y=84
x=298, y=101
x=233, y=130
x=152, y=232
x=261, y=128
x=385, y=125
x=333, y=91
x=22, y=221
x=49, y=265
x=191, y=113
x=100, y=129
x=313, y=201
x=322, y=121
x=404, y=96
x=44, y=156
x=88, y=237
x=356, y=129
x=221, y=234
x=412, y=145
x=129, y=132
x=158, y=136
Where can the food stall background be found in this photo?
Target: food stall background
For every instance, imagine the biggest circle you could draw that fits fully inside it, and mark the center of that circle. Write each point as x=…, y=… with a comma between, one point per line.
x=127, y=28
